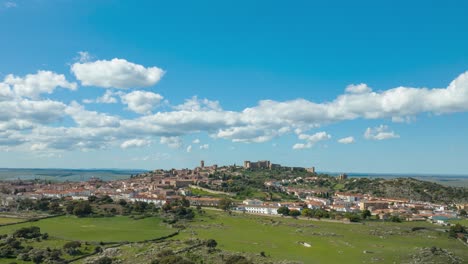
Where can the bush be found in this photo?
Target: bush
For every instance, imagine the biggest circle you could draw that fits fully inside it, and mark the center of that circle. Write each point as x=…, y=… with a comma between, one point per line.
x=173, y=260
x=237, y=259
x=28, y=232
x=103, y=260
x=211, y=243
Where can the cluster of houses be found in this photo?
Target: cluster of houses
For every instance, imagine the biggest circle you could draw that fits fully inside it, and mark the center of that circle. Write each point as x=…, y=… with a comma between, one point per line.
x=162, y=186
x=158, y=187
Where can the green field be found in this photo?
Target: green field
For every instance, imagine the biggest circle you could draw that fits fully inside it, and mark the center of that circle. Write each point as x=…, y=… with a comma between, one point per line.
x=330, y=242
x=463, y=222
x=9, y=220
x=108, y=229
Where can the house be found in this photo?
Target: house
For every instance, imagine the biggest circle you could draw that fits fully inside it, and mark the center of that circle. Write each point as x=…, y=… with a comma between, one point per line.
x=252, y=202
x=373, y=205
x=204, y=201
x=259, y=209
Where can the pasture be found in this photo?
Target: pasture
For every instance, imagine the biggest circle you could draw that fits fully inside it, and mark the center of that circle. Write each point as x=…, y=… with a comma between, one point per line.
x=9, y=220
x=284, y=238
x=108, y=229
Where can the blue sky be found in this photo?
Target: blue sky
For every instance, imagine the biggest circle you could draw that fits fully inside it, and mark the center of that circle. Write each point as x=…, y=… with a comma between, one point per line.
x=347, y=87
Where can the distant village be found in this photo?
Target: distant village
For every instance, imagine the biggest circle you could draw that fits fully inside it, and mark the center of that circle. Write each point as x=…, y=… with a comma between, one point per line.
x=163, y=186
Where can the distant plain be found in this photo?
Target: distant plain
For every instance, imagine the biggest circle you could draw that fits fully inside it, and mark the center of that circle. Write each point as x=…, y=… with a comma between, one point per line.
x=60, y=175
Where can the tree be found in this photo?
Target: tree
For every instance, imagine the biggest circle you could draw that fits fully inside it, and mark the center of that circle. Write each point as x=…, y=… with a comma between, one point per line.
x=365, y=214
x=307, y=212
x=28, y=232
x=106, y=199
x=122, y=202
x=92, y=198
x=462, y=212
x=353, y=217
x=294, y=213
x=211, y=243
x=72, y=247
x=237, y=259
x=283, y=210
x=104, y=260
x=82, y=208
x=455, y=229
x=225, y=204
x=184, y=202
x=26, y=204
x=54, y=207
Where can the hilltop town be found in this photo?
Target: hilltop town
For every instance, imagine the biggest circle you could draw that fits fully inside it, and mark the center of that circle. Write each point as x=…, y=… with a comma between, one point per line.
x=262, y=188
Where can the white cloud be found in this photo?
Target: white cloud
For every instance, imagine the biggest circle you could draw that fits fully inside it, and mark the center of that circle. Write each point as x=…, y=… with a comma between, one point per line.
x=156, y=157
x=189, y=148
x=36, y=121
x=116, y=73
x=38, y=112
x=10, y=138
x=135, y=143
x=85, y=118
x=346, y=140
x=172, y=142
x=83, y=56
x=379, y=133
x=357, y=89
x=196, y=141
x=5, y=92
x=107, y=98
x=32, y=85
x=311, y=140
x=195, y=104
x=38, y=146
x=141, y=102
x=205, y=146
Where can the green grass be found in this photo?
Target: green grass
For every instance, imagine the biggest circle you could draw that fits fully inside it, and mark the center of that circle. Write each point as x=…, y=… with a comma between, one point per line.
x=108, y=229
x=331, y=242
x=463, y=222
x=200, y=192
x=9, y=220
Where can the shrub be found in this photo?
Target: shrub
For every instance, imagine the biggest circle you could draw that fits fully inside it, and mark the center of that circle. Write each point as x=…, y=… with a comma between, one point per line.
x=28, y=232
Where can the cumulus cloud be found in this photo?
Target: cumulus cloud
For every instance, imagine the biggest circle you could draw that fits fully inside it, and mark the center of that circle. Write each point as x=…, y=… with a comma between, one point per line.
x=83, y=56
x=196, y=141
x=31, y=111
x=38, y=146
x=85, y=118
x=311, y=140
x=195, y=104
x=357, y=89
x=30, y=119
x=172, y=142
x=189, y=148
x=107, y=98
x=346, y=140
x=135, y=143
x=32, y=85
x=205, y=146
x=10, y=138
x=141, y=102
x=116, y=73
x=379, y=133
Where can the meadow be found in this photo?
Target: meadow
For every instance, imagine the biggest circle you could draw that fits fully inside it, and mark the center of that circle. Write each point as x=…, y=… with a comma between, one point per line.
x=9, y=220
x=108, y=229
x=281, y=238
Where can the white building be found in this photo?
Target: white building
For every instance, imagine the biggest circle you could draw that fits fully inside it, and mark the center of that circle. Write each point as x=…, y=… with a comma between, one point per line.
x=259, y=209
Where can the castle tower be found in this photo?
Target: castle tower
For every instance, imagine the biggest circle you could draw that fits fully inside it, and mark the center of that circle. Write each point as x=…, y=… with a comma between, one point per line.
x=202, y=164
